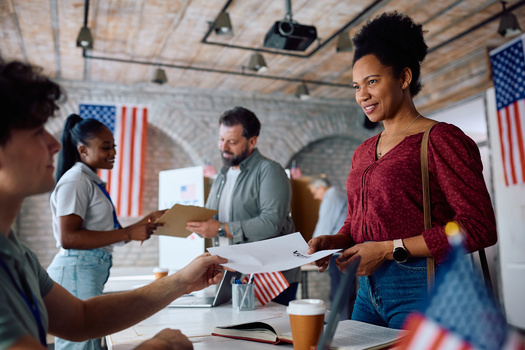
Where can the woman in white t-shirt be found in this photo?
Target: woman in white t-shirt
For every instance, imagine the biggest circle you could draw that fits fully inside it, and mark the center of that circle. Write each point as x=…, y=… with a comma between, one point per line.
x=85, y=223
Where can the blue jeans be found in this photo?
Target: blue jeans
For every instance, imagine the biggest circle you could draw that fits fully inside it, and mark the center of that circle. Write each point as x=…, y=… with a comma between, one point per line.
x=83, y=273
x=394, y=290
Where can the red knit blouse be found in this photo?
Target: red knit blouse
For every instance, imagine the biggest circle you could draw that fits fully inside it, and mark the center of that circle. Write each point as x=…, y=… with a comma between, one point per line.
x=385, y=196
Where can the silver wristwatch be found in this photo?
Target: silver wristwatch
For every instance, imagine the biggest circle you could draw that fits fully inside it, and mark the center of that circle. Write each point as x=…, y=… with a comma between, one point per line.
x=222, y=230
x=399, y=253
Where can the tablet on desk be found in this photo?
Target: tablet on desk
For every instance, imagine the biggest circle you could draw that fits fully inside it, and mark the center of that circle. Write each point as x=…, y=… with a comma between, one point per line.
x=223, y=295
x=346, y=284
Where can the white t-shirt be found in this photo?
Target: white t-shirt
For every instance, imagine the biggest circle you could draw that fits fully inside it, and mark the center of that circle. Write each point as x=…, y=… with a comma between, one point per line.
x=77, y=192
x=225, y=202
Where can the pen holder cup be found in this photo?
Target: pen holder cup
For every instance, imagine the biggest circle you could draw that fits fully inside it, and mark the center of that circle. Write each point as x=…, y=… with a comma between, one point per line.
x=243, y=296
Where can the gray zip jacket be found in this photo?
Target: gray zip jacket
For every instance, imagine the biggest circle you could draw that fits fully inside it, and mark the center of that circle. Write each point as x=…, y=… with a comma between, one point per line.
x=260, y=203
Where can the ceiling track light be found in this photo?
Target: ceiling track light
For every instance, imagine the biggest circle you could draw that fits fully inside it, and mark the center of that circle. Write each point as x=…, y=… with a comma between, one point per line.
x=508, y=25
x=257, y=63
x=302, y=92
x=84, y=38
x=344, y=44
x=222, y=24
x=160, y=76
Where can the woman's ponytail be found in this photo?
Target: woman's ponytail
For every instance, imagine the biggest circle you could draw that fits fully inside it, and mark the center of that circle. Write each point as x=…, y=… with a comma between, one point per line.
x=76, y=131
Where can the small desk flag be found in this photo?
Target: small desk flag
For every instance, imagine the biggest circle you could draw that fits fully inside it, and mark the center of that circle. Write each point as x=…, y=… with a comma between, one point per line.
x=268, y=285
x=460, y=312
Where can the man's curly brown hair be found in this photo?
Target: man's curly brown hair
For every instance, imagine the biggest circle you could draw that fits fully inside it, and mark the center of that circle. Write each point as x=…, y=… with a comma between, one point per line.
x=27, y=98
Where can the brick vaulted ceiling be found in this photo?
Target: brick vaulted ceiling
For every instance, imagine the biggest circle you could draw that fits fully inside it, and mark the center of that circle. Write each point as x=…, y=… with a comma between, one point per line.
x=173, y=33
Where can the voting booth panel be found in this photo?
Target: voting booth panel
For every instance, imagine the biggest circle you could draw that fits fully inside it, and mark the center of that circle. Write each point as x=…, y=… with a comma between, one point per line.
x=186, y=186
x=510, y=219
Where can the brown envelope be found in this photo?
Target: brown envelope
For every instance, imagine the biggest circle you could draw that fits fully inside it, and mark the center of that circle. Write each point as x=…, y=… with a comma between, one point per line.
x=175, y=219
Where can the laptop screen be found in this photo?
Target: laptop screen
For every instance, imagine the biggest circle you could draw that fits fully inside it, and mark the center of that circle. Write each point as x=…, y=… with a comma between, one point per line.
x=224, y=292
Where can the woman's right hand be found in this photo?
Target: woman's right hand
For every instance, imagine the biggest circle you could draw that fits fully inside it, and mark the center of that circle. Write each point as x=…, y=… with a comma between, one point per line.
x=337, y=241
x=141, y=231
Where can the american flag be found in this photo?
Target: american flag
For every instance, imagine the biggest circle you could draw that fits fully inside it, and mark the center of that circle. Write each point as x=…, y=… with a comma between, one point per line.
x=128, y=123
x=508, y=72
x=188, y=192
x=295, y=172
x=460, y=312
x=268, y=285
x=209, y=170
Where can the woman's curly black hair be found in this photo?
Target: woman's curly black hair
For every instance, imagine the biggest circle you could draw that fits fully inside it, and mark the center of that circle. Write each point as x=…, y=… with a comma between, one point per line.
x=397, y=42
x=27, y=98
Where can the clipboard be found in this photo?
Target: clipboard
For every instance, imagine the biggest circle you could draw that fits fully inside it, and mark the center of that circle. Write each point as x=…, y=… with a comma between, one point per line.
x=175, y=219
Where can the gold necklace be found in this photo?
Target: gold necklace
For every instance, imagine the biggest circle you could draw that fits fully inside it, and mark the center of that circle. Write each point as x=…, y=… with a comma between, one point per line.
x=381, y=137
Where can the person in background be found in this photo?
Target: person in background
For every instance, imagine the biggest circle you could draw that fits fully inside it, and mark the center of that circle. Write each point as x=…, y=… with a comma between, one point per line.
x=332, y=215
x=31, y=304
x=251, y=192
x=85, y=223
x=385, y=221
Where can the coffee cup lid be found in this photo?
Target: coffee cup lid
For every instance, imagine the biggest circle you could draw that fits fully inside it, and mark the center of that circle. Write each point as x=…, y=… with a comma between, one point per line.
x=160, y=269
x=306, y=307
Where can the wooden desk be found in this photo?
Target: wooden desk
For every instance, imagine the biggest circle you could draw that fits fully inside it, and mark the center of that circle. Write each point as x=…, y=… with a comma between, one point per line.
x=197, y=324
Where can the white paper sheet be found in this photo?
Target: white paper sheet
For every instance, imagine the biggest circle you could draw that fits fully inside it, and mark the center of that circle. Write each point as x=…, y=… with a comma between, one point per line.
x=269, y=255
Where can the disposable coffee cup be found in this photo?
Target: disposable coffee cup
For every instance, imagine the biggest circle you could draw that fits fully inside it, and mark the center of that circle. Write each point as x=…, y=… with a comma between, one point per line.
x=160, y=272
x=307, y=321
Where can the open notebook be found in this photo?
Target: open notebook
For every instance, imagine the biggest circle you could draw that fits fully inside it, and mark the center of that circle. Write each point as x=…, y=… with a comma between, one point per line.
x=223, y=295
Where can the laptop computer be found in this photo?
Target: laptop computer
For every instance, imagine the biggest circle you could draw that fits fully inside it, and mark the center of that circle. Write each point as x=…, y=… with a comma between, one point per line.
x=223, y=295
x=346, y=284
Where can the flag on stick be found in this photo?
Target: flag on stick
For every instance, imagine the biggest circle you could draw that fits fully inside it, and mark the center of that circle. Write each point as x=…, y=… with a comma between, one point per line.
x=128, y=123
x=508, y=73
x=268, y=285
x=460, y=312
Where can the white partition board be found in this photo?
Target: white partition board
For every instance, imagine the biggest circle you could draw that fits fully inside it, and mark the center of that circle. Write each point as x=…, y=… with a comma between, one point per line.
x=180, y=186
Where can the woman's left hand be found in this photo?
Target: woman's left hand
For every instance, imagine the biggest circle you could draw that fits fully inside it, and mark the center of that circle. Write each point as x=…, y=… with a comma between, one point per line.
x=373, y=255
x=154, y=216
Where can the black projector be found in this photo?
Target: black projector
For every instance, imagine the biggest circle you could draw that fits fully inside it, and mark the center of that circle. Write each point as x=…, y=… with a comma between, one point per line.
x=293, y=36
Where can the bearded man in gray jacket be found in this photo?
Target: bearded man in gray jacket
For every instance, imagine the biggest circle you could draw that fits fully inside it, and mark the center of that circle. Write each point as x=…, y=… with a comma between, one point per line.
x=251, y=193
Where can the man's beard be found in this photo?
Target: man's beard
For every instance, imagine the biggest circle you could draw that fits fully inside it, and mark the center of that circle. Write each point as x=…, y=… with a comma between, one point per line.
x=235, y=160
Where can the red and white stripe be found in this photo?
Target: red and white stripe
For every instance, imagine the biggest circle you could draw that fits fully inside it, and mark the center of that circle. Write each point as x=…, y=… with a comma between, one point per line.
x=268, y=285
x=515, y=341
x=425, y=334
x=511, y=123
x=125, y=181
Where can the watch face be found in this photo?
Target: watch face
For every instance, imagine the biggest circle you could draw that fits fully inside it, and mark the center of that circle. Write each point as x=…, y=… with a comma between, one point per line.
x=400, y=254
x=221, y=233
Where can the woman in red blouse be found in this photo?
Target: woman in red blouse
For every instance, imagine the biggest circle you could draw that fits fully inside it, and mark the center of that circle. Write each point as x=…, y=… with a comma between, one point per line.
x=385, y=198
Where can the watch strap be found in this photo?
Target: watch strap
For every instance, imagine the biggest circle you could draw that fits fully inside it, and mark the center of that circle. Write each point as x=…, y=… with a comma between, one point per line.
x=398, y=243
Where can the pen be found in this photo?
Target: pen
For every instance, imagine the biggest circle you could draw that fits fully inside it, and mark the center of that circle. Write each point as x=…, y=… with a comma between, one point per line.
x=250, y=281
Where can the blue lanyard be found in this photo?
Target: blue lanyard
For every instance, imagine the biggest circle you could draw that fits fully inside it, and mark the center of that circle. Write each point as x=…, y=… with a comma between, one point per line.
x=115, y=220
x=33, y=306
